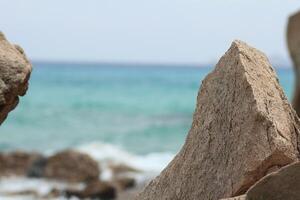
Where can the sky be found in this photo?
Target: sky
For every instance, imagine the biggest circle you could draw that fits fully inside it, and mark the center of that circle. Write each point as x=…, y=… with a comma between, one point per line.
x=145, y=31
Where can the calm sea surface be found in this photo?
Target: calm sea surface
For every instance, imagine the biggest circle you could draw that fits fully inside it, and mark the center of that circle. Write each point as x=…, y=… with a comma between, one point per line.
x=141, y=109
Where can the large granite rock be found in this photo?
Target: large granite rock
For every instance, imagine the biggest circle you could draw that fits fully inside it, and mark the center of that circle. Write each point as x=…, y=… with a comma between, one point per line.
x=15, y=71
x=71, y=166
x=243, y=126
x=293, y=41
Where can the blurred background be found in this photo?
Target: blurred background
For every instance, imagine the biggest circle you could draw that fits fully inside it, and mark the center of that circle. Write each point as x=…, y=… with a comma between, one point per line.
x=119, y=79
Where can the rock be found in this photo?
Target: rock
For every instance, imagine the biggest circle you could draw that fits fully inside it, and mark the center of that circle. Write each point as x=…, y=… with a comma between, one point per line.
x=53, y=194
x=243, y=197
x=283, y=184
x=16, y=163
x=130, y=193
x=242, y=126
x=123, y=183
x=71, y=166
x=94, y=190
x=37, y=168
x=31, y=193
x=99, y=189
x=118, y=169
x=69, y=193
x=293, y=41
x=15, y=71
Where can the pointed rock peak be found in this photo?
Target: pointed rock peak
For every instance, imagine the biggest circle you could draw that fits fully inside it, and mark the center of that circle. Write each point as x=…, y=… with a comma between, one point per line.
x=242, y=58
x=243, y=125
x=244, y=52
x=240, y=47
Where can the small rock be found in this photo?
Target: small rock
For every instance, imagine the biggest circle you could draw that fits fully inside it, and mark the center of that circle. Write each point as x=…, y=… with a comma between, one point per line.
x=123, y=183
x=37, y=168
x=72, y=166
x=243, y=197
x=94, y=190
x=32, y=193
x=54, y=193
x=16, y=163
x=69, y=193
x=118, y=169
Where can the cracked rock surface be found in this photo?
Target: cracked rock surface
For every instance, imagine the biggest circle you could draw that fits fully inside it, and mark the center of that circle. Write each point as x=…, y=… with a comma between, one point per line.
x=15, y=71
x=243, y=127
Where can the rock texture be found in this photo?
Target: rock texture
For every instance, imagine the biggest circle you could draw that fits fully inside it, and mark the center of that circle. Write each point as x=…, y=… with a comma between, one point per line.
x=283, y=184
x=243, y=126
x=293, y=41
x=15, y=71
x=71, y=166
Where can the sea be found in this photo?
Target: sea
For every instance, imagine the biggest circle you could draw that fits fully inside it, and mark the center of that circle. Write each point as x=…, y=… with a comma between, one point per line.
x=129, y=113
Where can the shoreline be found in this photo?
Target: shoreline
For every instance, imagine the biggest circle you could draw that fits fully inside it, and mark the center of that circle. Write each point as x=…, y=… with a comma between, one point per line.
x=24, y=176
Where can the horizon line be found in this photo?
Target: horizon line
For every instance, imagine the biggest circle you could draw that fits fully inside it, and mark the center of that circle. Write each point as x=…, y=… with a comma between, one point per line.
x=141, y=64
x=125, y=63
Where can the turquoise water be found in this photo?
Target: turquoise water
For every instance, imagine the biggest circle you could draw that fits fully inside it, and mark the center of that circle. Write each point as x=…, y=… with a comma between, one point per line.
x=141, y=109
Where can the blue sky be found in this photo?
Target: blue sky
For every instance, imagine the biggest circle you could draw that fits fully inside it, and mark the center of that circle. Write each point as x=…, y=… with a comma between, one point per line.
x=156, y=31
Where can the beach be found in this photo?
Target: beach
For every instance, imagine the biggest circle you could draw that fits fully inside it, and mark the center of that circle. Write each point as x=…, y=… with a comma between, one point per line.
x=125, y=114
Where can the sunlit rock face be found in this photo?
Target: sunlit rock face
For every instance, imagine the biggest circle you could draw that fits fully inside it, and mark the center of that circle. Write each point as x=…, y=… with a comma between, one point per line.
x=242, y=127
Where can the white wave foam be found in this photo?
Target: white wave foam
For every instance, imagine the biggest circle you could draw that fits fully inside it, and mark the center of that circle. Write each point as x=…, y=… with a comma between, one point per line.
x=152, y=163
x=105, y=154
x=40, y=186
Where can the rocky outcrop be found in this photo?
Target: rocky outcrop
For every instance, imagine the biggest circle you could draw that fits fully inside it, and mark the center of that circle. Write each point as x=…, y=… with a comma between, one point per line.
x=293, y=41
x=242, y=127
x=15, y=71
x=16, y=163
x=71, y=166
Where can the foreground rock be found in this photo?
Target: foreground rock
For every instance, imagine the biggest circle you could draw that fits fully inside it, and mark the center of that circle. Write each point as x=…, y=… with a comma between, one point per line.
x=16, y=163
x=15, y=71
x=283, y=184
x=293, y=41
x=71, y=166
x=242, y=127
